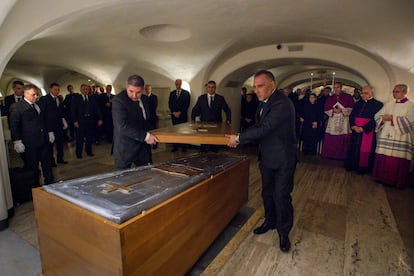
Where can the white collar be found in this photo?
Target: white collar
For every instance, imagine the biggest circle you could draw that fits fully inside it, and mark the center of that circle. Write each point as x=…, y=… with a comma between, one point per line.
x=28, y=101
x=265, y=101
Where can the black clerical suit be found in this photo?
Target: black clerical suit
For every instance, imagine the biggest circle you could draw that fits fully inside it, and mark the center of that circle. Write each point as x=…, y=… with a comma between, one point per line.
x=130, y=130
x=212, y=112
x=30, y=126
x=87, y=114
x=274, y=131
x=54, y=113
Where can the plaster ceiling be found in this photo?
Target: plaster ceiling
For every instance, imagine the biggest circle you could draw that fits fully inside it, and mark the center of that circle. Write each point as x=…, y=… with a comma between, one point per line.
x=179, y=38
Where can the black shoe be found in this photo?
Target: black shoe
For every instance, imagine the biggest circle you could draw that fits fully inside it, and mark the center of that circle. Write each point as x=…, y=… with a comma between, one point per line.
x=90, y=154
x=54, y=164
x=62, y=162
x=174, y=149
x=184, y=150
x=284, y=243
x=263, y=228
x=79, y=156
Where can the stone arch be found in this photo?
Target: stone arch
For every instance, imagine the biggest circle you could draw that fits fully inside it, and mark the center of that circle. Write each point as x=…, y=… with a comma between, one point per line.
x=242, y=65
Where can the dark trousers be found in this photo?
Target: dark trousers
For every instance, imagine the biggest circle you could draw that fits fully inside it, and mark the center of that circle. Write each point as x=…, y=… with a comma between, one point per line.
x=85, y=133
x=59, y=137
x=34, y=155
x=143, y=158
x=71, y=128
x=277, y=186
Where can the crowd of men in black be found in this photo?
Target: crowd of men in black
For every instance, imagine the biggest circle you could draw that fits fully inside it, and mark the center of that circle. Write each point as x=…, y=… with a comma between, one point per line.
x=86, y=119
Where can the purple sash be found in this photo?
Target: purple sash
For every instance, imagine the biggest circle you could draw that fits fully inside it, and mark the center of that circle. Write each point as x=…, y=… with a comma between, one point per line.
x=366, y=142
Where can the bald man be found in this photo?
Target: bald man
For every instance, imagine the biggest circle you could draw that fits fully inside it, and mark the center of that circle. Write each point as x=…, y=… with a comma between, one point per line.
x=274, y=130
x=361, y=152
x=394, y=152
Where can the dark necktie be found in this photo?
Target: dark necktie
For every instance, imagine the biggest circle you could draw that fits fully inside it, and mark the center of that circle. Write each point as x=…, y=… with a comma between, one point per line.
x=86, y=105
x=261, y=108
x=35, y=108
x=211, y=101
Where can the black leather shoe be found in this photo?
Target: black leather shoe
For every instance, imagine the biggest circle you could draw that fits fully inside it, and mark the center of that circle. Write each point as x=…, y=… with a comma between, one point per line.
x=284, y=243
x=62, y=162
x=174, y=149
x=263, y=228
x=90, y=154
x=79, y=156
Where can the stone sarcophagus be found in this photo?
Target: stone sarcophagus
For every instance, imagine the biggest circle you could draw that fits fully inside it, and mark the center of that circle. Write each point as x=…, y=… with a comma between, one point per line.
x=150, y=220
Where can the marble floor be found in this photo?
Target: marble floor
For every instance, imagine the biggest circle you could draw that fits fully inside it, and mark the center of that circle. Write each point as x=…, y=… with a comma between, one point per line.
x=345, y=224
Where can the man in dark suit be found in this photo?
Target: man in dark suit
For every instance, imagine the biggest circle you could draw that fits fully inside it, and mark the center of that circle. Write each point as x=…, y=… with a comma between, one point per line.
x=178, y=102
x=274, y=130
x=67, y=108
x=105, y=103
x=32, y=135
x=86, y=118
x=130, y=113
x=9, y=101
x=14, y=98
x=153, y=104
x=210, y=105
x=52, y=107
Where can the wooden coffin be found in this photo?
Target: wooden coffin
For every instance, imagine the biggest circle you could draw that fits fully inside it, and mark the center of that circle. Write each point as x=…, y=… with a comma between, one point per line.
x=167, y=239
x=195, y=133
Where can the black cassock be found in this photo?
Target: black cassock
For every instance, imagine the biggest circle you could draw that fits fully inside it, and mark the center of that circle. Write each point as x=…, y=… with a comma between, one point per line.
x=310, y=135
x=364, y=111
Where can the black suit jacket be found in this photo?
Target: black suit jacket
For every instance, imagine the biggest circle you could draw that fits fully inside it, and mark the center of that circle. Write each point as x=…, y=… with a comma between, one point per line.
x=153, y=104
x=8, y=101
x=130, y=129
x=28, y=125
x=103, y=99
x=213, y=113
x=67, y=103
x=85, y=112
x=53, y=113
x=275, y=133
x=179, y=104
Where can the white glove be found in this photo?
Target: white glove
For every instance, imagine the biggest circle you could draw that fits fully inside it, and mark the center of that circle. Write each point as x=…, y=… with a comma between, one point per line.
x=51, y=137
x=19, y=146
x=65, y=124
